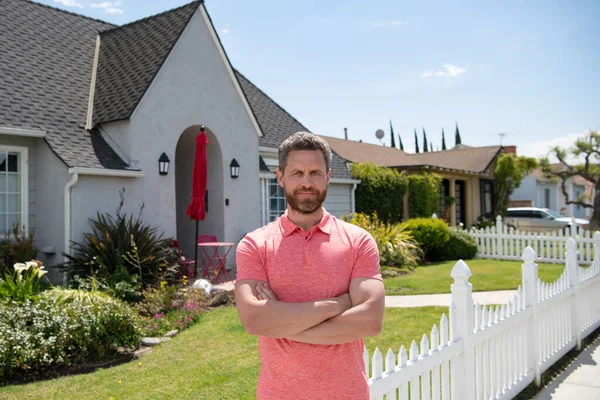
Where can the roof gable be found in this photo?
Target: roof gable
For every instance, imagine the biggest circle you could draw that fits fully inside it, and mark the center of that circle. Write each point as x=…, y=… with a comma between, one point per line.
x=130, y=57
x=46, y=58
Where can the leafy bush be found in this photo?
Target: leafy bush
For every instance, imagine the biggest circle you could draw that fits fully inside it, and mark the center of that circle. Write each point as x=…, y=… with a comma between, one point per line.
x=122, y=248
x=460, y=245
x=423, y=194
x=483, y=222
x=15, y=250
x=170, y=307
x=26, y=282
x=63, y=327
x=396, y=245
x=381, y=190
x=428, y=232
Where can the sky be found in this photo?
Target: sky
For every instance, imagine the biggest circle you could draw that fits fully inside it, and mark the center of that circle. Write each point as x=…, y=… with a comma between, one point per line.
x=522, y=73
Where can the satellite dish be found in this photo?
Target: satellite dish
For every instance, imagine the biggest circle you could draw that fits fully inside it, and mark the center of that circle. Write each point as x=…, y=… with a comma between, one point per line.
x=379, y=134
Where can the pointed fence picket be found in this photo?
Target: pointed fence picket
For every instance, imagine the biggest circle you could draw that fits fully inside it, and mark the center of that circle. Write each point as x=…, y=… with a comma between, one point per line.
x=484, y=352
x=505, y=243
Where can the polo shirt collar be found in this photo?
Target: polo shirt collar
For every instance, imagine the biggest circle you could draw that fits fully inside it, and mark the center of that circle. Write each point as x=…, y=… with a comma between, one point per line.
x=324, y=225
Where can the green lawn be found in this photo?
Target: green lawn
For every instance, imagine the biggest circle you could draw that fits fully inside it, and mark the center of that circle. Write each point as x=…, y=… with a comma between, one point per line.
x=486, y=275
x=214, y=359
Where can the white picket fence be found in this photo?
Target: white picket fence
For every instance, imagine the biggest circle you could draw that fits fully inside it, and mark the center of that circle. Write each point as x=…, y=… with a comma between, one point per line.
x=504, y=243
x=487, y=353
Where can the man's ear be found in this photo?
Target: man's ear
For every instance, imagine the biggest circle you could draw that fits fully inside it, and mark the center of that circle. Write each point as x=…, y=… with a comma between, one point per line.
x=279, y=177
x=328, y=176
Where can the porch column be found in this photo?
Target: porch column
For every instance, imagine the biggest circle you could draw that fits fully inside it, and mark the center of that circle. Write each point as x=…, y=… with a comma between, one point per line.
x=453, y=208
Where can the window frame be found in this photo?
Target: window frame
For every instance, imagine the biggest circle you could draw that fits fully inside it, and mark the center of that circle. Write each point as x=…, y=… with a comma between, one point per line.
x=24, y=171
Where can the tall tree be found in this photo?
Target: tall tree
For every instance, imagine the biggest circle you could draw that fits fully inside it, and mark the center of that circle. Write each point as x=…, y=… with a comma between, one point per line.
x=431, y=147
x=587, y=150
x=443, y=140
x=393, y=142
x=400, y=140
x=425, y=147
x=416, y=141
x=457, y=139
x=510, y=171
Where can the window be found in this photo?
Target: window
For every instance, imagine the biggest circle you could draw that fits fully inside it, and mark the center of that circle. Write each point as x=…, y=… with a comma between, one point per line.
x=273, y=199
x=277, y=203
x=487, y=198
x=13, y=188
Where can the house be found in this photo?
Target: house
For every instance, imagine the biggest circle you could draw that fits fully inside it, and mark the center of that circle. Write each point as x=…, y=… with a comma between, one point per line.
x=538, y=191
x=467, y=172
x=88, y=108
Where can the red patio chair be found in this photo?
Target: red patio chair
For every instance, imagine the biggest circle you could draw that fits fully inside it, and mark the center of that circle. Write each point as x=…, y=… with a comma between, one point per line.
x=222, y=260
x=188, y=265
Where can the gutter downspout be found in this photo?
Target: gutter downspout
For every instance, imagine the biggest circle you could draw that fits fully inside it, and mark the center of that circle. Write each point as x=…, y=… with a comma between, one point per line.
x=68, y=186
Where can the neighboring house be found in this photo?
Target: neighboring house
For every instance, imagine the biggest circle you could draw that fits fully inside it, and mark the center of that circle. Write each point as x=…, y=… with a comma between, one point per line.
x=538, y=191
x=87, y=108
x=468, y=172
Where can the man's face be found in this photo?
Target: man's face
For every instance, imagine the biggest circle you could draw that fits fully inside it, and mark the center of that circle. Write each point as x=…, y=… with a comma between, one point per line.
x=305, y=180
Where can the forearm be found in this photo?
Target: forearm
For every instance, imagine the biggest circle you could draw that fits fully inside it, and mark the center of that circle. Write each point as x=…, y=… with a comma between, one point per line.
x=356, y=323
x=278, y=319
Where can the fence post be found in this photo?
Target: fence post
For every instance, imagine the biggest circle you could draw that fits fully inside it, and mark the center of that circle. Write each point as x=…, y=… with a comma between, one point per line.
x=573, y=275
x=530, y=280
x=499, y=233
x=461, y=322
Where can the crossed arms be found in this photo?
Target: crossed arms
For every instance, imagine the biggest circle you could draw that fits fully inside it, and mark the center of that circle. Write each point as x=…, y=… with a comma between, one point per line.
x=337, y=320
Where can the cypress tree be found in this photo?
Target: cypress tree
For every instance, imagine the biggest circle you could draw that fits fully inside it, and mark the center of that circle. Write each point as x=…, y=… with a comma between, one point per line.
x=393, y=142
x=457, y=139
x=425, y=147
x=443, y=140
x=416, y=142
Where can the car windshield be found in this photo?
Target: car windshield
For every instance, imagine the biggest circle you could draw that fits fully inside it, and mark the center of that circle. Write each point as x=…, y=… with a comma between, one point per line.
x=553, y=213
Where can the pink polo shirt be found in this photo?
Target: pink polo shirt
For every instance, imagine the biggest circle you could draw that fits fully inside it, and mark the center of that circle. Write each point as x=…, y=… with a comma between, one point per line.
x=305, y=266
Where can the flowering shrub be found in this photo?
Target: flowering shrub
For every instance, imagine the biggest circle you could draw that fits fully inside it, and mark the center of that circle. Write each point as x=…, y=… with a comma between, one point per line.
x=179, y=318
x=25, y=283
x=61, y=328
x=170, y=307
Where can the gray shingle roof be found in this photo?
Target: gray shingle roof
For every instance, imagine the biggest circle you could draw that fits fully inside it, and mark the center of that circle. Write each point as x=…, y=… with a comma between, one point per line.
x=277, y=124
x=46, y=58
x=130, y=56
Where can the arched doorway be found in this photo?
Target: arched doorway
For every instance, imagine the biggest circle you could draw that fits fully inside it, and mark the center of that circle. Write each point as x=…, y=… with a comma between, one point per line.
x=213, y=224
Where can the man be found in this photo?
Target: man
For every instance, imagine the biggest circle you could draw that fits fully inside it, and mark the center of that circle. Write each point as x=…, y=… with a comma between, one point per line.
x=309, y=285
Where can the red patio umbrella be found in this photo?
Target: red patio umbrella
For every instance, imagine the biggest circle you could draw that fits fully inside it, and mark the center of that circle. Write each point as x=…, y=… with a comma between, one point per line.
x=196, y=210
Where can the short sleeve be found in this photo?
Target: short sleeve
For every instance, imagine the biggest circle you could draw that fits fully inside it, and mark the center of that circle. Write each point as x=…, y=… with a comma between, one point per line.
x=248, y=260
x=367, y=257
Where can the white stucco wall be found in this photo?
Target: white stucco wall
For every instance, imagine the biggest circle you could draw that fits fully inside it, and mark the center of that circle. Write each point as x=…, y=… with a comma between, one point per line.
x=527, y=191
x=52, y=176
x=193, y=87
x=117, y=135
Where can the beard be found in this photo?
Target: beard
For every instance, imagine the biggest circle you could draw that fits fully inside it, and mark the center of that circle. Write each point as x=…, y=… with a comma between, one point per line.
x=306, y=205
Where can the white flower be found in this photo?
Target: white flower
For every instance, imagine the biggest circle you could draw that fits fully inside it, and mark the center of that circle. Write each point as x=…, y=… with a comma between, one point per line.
x=31, y=264
x=41, y=273
x=20, y=267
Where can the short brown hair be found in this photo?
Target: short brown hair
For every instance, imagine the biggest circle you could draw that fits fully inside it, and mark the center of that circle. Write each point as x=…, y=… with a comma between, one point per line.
x=303, y=141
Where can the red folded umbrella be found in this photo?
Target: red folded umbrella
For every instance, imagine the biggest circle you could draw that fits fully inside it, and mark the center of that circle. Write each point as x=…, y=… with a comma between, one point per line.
x=196, y=209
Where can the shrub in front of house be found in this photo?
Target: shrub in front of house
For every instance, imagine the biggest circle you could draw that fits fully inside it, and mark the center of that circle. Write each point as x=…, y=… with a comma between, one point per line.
x=14, y=248
x=429, y=233
x=60, y=328
x=460, y=246
x=381, y=190
x=396, y=246
x=122, y=248
x=423, y=195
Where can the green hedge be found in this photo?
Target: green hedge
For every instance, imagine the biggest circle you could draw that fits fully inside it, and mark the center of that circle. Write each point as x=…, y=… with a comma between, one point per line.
x=460, y=245
x=424, y=195
x=428, y=232
x=381, y=191
x=61, y=328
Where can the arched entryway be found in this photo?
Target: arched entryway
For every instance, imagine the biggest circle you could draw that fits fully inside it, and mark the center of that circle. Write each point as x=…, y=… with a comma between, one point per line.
x=213, y=224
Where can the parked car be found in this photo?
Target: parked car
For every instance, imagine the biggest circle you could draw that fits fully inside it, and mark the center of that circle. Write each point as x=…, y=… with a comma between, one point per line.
x=540, y=219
